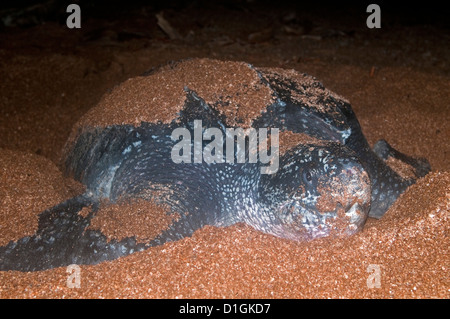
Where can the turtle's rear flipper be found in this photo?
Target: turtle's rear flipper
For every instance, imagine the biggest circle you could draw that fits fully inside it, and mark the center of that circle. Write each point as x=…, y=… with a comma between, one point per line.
x=420, y=165
x=62, y=239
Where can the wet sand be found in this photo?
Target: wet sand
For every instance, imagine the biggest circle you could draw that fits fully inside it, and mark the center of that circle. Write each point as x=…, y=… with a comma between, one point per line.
x=397, y=80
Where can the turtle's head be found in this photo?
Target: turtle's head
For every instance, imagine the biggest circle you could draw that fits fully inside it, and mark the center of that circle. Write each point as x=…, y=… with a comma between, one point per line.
x=319, y=190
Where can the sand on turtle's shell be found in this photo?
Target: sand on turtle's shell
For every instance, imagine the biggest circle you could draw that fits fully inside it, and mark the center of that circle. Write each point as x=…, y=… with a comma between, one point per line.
x=160, y=96
x=138, y=218
x=288, y=140
x=309, y=91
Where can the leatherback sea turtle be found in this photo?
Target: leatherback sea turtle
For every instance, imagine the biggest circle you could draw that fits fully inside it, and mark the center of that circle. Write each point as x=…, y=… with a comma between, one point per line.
x=325, y=179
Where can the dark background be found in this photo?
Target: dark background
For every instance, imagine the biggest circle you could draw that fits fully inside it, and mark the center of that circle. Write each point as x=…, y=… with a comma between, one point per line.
x=28, y=12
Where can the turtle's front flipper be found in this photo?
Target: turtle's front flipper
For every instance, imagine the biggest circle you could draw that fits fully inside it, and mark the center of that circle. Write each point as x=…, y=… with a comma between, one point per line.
x=420, y=165
x=62, y=239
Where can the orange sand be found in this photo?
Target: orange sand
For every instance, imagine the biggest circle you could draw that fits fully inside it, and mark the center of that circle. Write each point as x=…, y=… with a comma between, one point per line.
x=396, y=78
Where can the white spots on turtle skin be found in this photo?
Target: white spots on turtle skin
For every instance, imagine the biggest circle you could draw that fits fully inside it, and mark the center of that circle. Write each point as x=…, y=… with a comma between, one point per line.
x=315, y=223
x=137, y=143
x=346, y=134
x=50, y=240
x=105, y=183
x=309, y=199
x=354, y=214
x=306, y=158
x=126, y=150
x=285, y=167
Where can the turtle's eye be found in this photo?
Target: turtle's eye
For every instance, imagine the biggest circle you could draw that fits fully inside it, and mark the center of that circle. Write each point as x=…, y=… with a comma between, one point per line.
x=307, y=177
